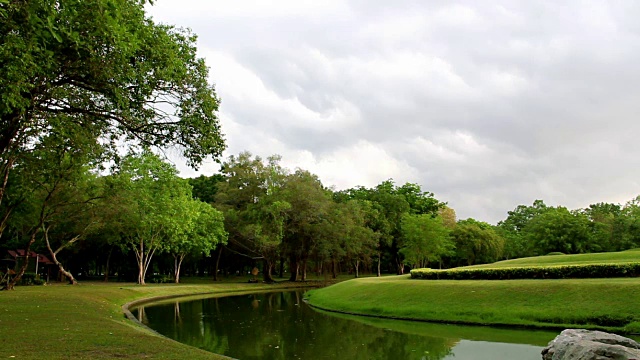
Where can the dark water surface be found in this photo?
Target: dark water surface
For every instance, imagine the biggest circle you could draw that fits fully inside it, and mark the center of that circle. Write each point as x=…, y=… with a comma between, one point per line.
x=280, y=325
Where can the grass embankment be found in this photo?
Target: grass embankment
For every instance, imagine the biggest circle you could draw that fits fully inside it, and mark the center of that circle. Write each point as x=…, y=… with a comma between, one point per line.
x=620, y=257
x=86, y=321
x=606, y=304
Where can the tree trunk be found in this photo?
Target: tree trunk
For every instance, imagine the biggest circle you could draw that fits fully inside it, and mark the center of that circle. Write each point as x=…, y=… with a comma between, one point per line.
x=293, y=267
x=281, y=270
x=304, y=270
x=357, y=265
x=106, y=271
x=177, y=263
x=400, y=266
x=11, y=284
x=141, y=269
x=54, y=257
x=379, y=256
x=268, y=267
x=334, y=273
x=215, y=272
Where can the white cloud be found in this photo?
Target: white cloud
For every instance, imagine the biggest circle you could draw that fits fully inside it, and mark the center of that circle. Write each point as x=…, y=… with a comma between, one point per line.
x=489, y=105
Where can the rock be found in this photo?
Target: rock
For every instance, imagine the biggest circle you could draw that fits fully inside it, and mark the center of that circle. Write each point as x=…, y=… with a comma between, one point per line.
x=578, y=344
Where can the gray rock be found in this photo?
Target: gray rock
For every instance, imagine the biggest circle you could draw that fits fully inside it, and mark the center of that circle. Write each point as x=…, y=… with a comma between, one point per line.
x=578, y=344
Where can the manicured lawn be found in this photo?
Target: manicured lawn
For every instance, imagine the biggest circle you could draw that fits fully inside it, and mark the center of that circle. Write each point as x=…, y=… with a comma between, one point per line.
x=608, y=304
x=86, y=321
x=577, y=259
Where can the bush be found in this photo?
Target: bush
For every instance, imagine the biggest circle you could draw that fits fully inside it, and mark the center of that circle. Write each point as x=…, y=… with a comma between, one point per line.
x=31, y=279
x=537, y=272
x=160, y=279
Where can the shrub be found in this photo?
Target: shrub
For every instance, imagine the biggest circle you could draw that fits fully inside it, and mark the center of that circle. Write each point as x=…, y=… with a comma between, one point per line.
x=31, y=279
x=160, y=279
x=537, y=272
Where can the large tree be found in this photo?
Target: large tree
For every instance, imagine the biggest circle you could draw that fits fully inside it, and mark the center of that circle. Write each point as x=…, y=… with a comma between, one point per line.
x=425, y=239
x=477, y=242
x=105, y=67
x=559, y=230
x=157, y=214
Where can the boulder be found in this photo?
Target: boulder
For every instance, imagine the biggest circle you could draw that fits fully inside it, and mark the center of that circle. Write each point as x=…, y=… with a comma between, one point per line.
x=578, y=344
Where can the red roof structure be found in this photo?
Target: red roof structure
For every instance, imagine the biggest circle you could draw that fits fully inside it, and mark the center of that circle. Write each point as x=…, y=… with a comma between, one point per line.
x=32, y=255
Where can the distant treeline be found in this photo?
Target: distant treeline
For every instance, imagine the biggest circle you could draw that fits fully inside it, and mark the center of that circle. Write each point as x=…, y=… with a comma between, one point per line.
x=142, y=220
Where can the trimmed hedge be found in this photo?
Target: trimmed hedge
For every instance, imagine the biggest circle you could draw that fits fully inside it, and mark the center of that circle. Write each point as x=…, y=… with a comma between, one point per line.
x=537, y=272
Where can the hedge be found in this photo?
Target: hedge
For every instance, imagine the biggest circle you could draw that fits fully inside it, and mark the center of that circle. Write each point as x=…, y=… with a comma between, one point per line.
x=537, y=272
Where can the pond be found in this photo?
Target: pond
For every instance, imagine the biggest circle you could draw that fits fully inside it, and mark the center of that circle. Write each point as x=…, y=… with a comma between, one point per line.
x=280, y=325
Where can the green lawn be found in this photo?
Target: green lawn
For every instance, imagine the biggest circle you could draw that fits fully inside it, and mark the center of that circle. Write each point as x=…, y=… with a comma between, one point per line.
x=87, y=322
x=577, y=259
x=607, y=304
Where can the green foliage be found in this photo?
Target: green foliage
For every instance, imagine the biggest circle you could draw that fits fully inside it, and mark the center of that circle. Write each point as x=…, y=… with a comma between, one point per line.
x=537, y=272
x=477, y=242
x=558, y=229
x=425, y=239
x=31, y=279
x=103, y=65
x=160, y=279
x=206, y=187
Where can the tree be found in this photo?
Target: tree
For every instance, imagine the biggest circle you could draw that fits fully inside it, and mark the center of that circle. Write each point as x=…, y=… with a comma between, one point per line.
x=425, y=239
x=104, y=67
x=559, y=230
x=255, y=212
x=512, y=229
x=631, y=224
x=607, y=227
x=156, y=212
x=310, y=203
x=477, y=242
x=53, y=184
x=206, y=187
x=200, y=230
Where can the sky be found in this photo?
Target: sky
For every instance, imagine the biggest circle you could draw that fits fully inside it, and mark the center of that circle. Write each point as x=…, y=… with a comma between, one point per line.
x=487, y=104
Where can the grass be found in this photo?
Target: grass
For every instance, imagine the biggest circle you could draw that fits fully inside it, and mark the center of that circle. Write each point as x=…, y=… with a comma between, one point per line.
x=606, y=304
x=87, y=322
x=628, y=256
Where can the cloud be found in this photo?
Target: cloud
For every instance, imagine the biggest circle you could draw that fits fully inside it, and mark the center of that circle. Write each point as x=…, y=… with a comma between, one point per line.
x=489, y=105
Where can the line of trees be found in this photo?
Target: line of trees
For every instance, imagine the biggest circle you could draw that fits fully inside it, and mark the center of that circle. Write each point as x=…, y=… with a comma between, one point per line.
x=80, y=83
x=539, y=229
x=142, y=217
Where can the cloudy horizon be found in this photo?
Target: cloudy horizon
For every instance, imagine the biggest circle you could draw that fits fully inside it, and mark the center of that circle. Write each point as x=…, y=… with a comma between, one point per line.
x=486, y=104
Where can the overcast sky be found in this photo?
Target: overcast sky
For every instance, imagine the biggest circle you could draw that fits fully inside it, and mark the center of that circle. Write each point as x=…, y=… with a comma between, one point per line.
x=487, y=104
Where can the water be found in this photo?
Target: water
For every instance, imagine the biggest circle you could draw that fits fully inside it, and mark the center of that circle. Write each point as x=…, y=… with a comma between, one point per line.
x=280, y=325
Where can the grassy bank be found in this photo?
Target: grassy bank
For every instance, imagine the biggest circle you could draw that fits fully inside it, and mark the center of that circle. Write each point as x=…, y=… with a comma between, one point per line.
x=86, y=321
x=621, y=257
x=607, y=304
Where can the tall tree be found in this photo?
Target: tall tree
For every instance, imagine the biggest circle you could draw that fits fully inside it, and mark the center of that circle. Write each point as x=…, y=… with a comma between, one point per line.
x=53, y=181
x=477, y=242
x=512, y=229
x=156, y=211
x=255, y=212
x=559, y=230
x=200, y=230
x=105, y=67
x=425, y=239
x=310, y=203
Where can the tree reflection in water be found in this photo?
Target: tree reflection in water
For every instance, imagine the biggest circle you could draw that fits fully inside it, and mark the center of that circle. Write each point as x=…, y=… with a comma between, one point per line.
x=280, y=326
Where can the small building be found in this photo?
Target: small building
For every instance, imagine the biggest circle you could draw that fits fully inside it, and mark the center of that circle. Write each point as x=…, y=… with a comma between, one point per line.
x=38, y=263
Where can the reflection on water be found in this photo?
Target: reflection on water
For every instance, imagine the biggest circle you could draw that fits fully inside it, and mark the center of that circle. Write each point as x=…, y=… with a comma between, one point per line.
x=281, y=326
